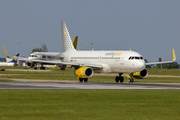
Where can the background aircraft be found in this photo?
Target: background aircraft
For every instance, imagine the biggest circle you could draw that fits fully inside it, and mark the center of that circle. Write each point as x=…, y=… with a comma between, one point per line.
x=9, y=61
x=48, y=56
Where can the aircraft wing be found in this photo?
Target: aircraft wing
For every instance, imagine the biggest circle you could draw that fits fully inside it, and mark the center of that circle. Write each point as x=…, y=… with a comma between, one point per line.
x=154, y=63
x=59, y=62
x=51, y=54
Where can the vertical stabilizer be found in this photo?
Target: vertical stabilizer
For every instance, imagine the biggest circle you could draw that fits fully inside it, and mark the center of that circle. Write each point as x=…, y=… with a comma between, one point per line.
x=66, y=38
x=5, y=51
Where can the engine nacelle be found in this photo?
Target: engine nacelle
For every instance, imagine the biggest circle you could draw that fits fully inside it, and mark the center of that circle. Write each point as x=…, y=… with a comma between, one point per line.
x=30, y=64
x=141, y=75
x=84, y=72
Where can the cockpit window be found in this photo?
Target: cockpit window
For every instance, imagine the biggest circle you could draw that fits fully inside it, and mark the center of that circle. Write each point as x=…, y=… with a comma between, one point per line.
x=135, y=57
x=33, y=56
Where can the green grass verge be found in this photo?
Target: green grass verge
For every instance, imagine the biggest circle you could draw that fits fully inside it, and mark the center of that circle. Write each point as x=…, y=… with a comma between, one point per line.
x=175, y=72
x=89, y=104
x=68, y=74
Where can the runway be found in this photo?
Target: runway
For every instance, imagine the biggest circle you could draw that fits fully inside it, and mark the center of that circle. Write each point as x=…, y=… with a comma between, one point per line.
x=61, y=85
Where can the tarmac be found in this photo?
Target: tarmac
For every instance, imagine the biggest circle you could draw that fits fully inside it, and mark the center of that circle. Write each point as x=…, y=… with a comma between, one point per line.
x=71, y=86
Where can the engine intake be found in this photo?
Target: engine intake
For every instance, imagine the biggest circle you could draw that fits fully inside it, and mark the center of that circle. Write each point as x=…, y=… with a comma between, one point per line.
x=30, y=64
x=141, y=75
x=84, y=72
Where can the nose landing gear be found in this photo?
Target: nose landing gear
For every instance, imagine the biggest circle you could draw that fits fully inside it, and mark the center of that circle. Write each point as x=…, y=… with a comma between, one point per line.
x=131, y=78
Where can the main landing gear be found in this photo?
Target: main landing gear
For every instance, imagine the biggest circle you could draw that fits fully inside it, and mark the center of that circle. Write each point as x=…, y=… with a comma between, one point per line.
x=83, y=79
x=119, y=78
x=41, y=68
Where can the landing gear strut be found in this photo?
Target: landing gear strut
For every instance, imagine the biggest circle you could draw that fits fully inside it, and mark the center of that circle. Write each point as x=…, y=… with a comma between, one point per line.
x=42, y=67
x=119, y=78
x=131, y=78
x=35, y=67
x=83, y=79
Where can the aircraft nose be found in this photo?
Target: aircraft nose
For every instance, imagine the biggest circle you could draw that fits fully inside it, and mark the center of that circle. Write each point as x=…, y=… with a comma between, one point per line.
x=141, y=64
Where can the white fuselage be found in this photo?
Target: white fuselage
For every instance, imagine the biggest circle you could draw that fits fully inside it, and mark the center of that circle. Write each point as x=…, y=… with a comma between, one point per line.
x=6, y=64
x=34, y=57
x=111, y=61
x=46, y=56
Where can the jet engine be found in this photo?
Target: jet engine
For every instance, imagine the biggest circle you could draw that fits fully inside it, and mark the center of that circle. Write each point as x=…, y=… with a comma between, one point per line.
x=84, y=72
x=30, y=64
x=141, y=75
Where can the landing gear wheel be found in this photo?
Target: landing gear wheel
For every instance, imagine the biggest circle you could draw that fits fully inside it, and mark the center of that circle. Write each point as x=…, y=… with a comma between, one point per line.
x=131, y=80
x=121, y=79
x=117, y=79
x=80, y=79
x=85, y=79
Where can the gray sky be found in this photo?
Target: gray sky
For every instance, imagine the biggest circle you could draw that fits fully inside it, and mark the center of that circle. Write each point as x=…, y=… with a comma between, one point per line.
x=150, y=27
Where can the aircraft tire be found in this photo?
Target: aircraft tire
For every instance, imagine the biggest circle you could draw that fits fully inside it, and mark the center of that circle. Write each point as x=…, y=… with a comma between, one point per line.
x=117, y=79
x=80, y=79
x=85, y=79
x=121, y=79
x=131, y=80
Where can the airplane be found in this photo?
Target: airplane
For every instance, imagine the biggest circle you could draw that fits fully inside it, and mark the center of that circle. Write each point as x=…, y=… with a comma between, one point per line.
x=86, y=63
x=48, y=56
x=13, y=62
x=9, y=59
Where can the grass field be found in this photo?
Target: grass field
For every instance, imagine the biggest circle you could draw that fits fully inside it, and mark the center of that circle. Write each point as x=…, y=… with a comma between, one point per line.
x=89, y=104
